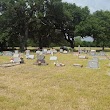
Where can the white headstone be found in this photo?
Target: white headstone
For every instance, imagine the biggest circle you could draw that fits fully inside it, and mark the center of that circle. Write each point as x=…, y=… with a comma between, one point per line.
x=61, y=50
x=53, y=58
x=38, y=52
x=82, y=57
x=93, y=52
x=65, y=52
x=16, y=55
x=27, y=52
x=16, y=51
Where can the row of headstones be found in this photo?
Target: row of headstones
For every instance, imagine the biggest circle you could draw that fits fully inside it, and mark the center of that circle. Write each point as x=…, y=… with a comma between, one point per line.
x=94, y=53
x=91, y=52
x=10, y=53
x=52, y=51
x=47, y=51
x=16, y=56
x=94, y=63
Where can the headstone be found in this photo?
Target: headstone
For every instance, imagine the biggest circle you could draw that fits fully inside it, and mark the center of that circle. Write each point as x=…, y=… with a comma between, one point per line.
x=38, y=52
x=16, y=55
x=40, y=57
x=16, y=51
x=93, y=64
x=78, y=48
x=54, y=51
x=7, y=53
x=102, y=53
x=93, y=52
x=44, y=51
x=65, y=52
x=49, y=52
x=53, y=58
x=58, y=64
x=77, y=65
x=16, y=60
x=61, y=50
x=82, y=57
x=95, y=59
x=28, y=56
x=40, y=60
x=27, y=52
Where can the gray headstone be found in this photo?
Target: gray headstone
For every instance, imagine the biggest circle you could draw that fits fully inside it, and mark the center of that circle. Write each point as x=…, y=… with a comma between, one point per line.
x=102, y=53
x=7, y=53
x=30, y=56
x=44, y=51
x=40, y=57
x=95, y=59
x=16, y=60
x=93, y=64
x=79, y=48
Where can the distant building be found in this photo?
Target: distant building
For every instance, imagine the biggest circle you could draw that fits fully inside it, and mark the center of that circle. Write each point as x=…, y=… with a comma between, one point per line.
x=87, y=38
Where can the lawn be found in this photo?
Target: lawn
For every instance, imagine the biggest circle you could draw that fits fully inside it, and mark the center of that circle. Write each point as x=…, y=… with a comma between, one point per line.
x=31, y=87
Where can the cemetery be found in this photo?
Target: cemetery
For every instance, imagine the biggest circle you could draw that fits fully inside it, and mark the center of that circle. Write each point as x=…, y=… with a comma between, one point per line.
x=54, y=55
x=54, y=80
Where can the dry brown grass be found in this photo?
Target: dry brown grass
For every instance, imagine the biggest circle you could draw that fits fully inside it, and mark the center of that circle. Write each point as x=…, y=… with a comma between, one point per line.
x=31, y=87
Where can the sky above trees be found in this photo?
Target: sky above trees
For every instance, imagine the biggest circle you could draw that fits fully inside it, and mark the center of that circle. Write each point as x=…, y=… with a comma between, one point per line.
x=92, y=4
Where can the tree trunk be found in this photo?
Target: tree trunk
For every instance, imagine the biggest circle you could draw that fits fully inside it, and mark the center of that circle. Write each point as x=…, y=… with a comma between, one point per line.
x=103, y=46
x=70, y=40
x=40, y=42
x=26, y=36
x=22, y=45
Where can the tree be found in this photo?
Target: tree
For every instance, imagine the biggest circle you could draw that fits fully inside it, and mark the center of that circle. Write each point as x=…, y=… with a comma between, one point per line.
x=73, y=16
x=97, y=26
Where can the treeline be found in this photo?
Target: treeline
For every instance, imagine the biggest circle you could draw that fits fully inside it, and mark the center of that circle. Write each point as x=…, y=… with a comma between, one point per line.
x=46, y=23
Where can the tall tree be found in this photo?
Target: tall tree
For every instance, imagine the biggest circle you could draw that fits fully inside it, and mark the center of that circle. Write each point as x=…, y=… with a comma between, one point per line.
x=97, y=26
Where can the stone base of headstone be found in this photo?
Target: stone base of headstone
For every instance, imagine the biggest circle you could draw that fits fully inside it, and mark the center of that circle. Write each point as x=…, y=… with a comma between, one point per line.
x=53, y=58
x=40, y=62
x=82, y=57
x=77, y=65
x=8, y=64
x=59, y=64
x=30, y=56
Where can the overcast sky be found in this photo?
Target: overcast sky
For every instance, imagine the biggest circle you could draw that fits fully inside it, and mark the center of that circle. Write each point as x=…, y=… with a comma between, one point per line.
x=92, y=4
